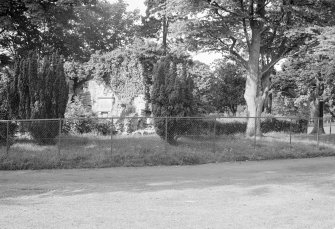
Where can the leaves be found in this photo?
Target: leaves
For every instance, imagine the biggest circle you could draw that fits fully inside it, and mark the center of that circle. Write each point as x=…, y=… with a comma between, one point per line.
x=74, y=28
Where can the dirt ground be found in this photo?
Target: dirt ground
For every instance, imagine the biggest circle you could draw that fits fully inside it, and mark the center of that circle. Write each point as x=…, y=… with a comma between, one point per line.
x=266, y=194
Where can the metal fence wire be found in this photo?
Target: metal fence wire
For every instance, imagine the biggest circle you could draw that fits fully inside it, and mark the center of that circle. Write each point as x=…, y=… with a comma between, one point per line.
x=137, y=135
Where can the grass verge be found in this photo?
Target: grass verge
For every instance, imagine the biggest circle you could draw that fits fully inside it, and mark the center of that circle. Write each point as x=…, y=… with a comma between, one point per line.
x=98, y=151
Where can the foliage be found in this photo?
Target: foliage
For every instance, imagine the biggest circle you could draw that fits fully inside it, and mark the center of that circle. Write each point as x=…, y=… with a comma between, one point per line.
x=227, y=85
x=122, y=71
x=313, y=72
x=104, y=127
x=127, y=71
x=284, y=105
x=172, y=96
x=4, y=114
x=79, y=74
x=156, y=22
x=39, y=90
x=256, y=34
x=218, y=90
x=75, y=28
x=78, y=119
x=203, y=127
x=105, y=26
x=275, y=125
x=202, y=76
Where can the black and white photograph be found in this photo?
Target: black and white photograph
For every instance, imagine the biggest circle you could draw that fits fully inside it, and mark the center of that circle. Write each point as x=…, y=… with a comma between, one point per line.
x=167, y=114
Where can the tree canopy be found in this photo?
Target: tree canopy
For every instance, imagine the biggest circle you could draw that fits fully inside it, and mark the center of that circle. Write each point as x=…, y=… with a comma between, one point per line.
x=74, y=28
x=255, y=33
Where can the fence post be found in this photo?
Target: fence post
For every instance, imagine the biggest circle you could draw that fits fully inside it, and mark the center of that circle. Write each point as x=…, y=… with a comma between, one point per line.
x=7, y=138
x=290, y=131
x=112, y=124
x=317, y=133
x=255, y=140
x=166, y=133
x=59, y=134
x=214, y=136
x=330, y=126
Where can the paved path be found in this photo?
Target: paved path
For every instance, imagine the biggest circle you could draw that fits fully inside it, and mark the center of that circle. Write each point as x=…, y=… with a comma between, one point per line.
x=267, y=194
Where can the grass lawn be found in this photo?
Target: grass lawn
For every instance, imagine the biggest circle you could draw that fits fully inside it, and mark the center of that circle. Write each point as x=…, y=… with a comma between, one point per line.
x=92, y=151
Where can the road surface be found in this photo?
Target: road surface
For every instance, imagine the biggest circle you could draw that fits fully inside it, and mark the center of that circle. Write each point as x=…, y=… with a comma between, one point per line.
x=266, y=194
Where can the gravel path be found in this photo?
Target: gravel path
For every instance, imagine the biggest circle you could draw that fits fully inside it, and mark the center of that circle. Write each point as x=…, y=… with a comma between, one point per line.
x=267, y=194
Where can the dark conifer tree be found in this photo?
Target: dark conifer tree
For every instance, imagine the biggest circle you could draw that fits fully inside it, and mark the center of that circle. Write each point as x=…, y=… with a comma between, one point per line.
x=172, y=97
x=40, y=90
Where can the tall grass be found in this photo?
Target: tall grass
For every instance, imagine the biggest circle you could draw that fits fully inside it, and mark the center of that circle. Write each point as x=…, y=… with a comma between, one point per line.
x=92, y=151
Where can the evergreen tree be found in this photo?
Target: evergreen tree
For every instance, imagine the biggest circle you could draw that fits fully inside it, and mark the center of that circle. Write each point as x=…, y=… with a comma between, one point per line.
x=40, y=90
x=172, y=97
x=5, y=134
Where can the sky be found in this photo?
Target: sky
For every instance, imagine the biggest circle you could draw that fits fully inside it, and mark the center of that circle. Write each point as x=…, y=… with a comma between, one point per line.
x=136, y=4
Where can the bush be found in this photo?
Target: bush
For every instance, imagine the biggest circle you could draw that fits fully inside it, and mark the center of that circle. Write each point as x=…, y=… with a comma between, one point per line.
x=44, y=132
x=104, y=127
x=275, y=125
x=78, y=119
x=175, y=127
x=172, y=96
x=205, y=127
x=38, y=90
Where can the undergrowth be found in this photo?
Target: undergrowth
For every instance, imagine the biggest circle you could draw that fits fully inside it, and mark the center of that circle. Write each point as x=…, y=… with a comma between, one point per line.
x=99, y=152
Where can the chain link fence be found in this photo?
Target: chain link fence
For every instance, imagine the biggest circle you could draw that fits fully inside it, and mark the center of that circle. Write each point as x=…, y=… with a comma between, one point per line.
x=137, y=136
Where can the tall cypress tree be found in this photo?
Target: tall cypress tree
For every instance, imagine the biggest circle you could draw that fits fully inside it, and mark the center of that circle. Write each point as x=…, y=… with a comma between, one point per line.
x=42, y=93
x=172, y=97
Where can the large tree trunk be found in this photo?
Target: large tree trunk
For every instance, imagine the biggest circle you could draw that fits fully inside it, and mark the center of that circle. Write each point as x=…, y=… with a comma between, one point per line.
x=253, y=94
x=318, y=107
x=254, y=98
x=317, y=113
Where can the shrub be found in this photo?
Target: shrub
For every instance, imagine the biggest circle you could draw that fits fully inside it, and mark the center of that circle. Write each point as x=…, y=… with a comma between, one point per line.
x=78, y=119
x=38, y=90
x=205, y=127
x=275, y=125
x=172, y=96
x=104, y=128
x=4, y=111
x=44, y=132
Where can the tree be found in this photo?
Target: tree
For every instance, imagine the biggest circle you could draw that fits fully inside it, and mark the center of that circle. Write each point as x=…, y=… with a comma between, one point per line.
x=172, y=97
x=202, y=76
x=31, y=25
x=104, y=26
x=5, y=134
x=128, y=71
x=79, y=73
x=156, y=22
x=256, y=33
x=313, y=73
x=74, y=28
x=227, y=84
x=39, y=89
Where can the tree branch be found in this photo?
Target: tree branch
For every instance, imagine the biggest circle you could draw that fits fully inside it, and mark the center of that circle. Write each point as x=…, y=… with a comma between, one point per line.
x=245, y=26
x=217, y=6
x=217, y=38
x=236, y=55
